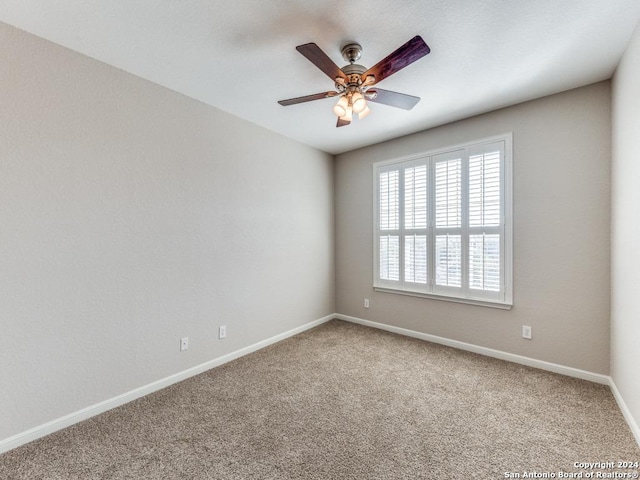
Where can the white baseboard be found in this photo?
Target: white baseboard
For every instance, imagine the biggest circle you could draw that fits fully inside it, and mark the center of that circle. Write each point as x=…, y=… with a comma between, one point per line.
x=633, y=425
x=489, y=352
x=88, y=412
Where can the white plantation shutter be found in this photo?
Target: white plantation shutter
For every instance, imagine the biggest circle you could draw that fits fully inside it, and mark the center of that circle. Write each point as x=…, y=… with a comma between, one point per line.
x=448, y=192
x=448, y=260
x=415, y=259
x=448, y=220
x=389, y=257
x=415, y=197
x=484, y=189
x=415, y=223
x=443, y=224
x=389, y=200
x=389, y=224
x=485, y=219
x=484, y=262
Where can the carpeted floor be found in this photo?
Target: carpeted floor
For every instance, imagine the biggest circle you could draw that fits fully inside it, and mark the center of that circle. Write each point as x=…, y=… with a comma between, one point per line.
x=344, y=401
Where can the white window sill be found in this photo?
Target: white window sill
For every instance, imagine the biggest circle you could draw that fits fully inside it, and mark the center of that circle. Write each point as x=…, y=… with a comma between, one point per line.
x=447, y=298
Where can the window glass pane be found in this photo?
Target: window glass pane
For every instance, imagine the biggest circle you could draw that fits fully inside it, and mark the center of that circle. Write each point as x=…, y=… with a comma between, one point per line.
x=415, y=197
x=389, y=205
x=389, y=257
x=448, y=180
x=448, y=260
x=484, y=189
x=484, y=262
x=415, y=259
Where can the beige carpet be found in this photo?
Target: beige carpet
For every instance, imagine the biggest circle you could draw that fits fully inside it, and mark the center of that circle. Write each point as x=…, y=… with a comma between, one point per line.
x=344, y=401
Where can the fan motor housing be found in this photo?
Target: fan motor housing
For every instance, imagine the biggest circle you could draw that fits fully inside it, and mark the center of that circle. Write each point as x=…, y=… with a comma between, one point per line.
x=354, y=69
x=353, y=73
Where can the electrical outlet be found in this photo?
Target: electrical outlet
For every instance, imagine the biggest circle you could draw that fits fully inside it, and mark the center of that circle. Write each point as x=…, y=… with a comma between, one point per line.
x=366, y=303
x=222, y=332
x=526, y=332
x=184, y=343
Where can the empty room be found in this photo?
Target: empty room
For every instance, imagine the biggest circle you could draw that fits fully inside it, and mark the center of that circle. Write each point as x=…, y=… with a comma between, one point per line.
x=323, y=240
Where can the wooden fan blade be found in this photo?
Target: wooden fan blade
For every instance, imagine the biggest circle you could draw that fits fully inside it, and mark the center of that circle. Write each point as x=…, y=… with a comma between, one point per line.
x=320, y=59
x=394, y=99
x=408, y=53
x=342, y=123
x=306, y=98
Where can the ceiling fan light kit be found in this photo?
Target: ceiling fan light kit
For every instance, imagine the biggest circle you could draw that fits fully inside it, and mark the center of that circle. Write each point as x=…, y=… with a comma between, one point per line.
x=353, y=81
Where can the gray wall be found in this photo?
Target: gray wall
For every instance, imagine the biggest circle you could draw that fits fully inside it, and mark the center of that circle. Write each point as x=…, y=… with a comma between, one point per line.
x=131, y=216
x=562, y=148
x=625, y=238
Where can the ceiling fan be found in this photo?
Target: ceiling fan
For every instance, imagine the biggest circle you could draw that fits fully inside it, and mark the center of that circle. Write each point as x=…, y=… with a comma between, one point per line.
x=353, y=82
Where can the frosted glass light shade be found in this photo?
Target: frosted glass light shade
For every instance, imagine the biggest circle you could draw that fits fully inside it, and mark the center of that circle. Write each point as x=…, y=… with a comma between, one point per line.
x=340, y=108
x=364, y=112
x=358, y=102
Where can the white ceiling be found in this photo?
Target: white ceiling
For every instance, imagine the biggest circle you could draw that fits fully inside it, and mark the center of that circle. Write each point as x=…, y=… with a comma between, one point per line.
x=240, y=55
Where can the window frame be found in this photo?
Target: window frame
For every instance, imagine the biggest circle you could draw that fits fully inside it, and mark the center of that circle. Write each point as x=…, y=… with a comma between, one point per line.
x=502, y=299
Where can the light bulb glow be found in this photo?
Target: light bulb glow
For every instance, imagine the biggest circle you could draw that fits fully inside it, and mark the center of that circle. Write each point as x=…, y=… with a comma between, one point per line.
x=340, y=108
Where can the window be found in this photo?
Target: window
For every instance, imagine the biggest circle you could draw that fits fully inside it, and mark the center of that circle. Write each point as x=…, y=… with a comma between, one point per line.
x=443, y=224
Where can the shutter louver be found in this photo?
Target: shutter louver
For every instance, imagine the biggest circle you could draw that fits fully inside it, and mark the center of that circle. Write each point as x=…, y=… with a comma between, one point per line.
x=449, y=193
